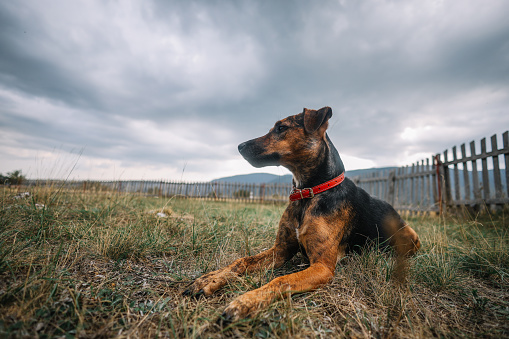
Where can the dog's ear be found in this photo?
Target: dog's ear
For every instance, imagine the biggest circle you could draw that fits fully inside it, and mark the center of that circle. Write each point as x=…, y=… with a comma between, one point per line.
x=317, y=120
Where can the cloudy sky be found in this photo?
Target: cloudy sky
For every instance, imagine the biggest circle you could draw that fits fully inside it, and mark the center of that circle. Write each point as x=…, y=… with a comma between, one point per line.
x=153, y=89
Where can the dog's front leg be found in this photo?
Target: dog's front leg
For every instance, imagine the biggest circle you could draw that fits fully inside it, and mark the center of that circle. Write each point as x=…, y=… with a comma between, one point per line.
x=316, y=275
x=321, y=238
x=211, y=282
x=285, y=247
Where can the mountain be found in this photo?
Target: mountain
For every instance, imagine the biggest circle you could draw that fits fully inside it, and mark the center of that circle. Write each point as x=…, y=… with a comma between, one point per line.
x=259, y=178
x=368, y=171
x=254, y=178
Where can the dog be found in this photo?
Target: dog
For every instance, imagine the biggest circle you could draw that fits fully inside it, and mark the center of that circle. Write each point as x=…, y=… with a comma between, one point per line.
x=327, y=217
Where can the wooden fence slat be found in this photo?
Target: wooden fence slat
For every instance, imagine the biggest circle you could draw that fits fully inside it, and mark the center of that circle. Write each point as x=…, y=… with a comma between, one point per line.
x=399, y=196
x=405, y=187
x=475, y=175
x=496, y=168
x=412, y=186
x=447, y=180
x=485, y=174
x=466, y=179
x=427, y=182
x=391, y=187
x=434, y=180
x=420, y=183
x=440, y=182
x=456, y=175
x=505, y=139
x=375, y=184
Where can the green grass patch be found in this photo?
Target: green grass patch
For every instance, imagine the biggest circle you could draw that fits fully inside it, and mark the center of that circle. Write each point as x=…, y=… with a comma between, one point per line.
x=80, y=264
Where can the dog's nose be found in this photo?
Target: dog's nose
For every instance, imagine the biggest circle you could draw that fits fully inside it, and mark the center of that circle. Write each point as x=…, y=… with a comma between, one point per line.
x=241, y=146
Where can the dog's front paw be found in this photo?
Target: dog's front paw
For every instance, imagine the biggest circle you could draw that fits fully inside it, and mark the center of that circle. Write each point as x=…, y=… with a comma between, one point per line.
x=245, y=306
x=206, y=284
x=236, y=310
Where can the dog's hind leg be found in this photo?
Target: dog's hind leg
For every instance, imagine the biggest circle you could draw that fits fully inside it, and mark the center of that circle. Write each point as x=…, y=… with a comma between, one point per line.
x=402, y=238
x=405, y=242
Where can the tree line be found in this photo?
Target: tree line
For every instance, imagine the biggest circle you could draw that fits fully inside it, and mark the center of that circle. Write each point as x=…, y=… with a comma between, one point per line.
x=12, y=178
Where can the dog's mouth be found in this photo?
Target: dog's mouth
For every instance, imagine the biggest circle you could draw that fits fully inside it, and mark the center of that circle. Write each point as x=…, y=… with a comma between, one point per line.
x=256, y=155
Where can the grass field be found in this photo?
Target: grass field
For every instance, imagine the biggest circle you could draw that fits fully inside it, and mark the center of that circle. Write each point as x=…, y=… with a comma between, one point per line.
x=105, y=265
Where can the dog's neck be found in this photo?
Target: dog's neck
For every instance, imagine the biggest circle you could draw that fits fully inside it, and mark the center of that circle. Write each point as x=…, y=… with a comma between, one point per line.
x=327, y=165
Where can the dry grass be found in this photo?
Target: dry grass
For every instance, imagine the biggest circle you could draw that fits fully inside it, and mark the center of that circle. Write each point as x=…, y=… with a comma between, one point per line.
x=105, y=265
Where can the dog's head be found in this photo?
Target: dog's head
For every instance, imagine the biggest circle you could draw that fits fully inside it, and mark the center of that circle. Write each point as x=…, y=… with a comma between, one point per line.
x=297, y=139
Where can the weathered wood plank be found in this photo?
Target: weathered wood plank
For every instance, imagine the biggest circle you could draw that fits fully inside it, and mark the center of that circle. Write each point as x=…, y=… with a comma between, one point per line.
x=428, y=183
x=475, y=175
x=440, y=182
x=466, y=179
x=496, y=169
x=447, y=180
x=456, y=175
x=485, y=174
x=391, y=187
x=407, y=187
x=505, y=139
x=422, y=184
x=398, y=186
x=434, y=180
x=412, y=186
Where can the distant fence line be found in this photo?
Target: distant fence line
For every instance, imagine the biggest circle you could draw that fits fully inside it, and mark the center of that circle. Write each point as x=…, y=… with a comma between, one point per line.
x=200, y=190
x=431, y=185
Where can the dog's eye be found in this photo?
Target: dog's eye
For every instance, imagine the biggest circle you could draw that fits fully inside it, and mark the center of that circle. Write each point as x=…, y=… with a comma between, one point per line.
x=281, y=128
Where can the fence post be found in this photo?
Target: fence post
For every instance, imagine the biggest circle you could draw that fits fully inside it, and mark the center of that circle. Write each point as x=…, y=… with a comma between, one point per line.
x=475, y=175
x=466, y=179
x=391, y=181
x=434, y=180
x=447, y=181
x=456, y=174
x=413, y=190
x=485, y=176
x=505, y=138
x=496, y=168
x=439, y=182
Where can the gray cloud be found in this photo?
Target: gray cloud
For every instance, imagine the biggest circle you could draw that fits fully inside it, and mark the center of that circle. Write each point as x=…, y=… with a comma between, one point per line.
x=164, y=83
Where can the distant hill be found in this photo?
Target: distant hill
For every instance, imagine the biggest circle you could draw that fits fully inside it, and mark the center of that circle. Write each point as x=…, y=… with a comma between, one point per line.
x=254, y=178
x=368, y=171
x=259, y=178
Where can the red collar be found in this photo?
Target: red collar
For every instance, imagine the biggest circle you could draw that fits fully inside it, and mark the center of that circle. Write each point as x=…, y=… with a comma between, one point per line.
x=298, y=194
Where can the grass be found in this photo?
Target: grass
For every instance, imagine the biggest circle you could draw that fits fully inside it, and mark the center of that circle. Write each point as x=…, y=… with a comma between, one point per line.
x=105, y=265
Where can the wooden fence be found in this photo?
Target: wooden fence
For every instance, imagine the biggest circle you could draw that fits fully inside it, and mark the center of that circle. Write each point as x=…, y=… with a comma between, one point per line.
x=437, y=183
x=199, y=190
x=433, y=184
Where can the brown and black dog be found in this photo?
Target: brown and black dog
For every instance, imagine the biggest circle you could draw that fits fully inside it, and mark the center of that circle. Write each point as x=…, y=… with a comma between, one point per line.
x=324, y=227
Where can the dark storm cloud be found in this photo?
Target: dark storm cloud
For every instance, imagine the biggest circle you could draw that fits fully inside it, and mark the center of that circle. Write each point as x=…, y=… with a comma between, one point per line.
x=30, y=64
x=149, y=82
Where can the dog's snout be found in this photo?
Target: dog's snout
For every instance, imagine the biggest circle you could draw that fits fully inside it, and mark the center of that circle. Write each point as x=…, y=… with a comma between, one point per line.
x=241, y=146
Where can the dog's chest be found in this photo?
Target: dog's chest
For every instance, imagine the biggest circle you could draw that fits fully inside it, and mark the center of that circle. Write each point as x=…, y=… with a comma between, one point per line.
x=302, y=215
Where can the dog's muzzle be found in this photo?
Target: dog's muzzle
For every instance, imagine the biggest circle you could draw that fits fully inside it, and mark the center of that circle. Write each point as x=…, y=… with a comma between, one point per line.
x=256, y=155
